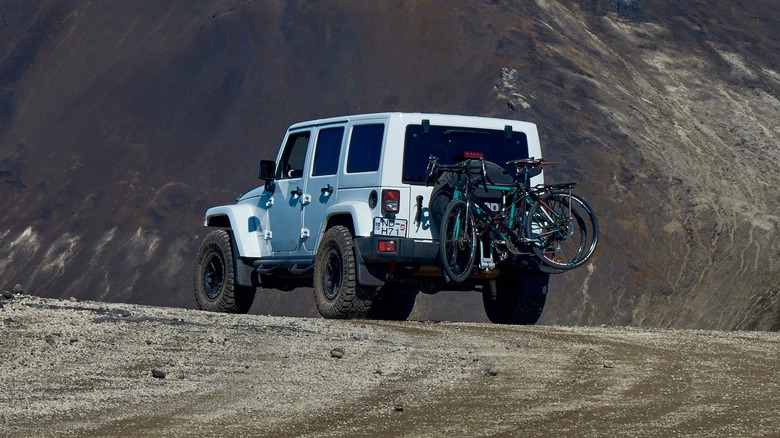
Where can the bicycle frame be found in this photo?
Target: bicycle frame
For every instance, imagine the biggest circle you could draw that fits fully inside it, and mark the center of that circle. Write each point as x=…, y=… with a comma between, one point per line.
x=536, y=220
x=502, y=223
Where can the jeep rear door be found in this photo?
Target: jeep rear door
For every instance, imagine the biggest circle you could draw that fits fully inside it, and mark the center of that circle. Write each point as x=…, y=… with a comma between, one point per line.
x=320, y=185
x=452, y=143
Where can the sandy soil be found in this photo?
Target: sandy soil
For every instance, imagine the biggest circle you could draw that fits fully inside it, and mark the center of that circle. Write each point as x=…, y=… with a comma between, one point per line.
x=88, y=369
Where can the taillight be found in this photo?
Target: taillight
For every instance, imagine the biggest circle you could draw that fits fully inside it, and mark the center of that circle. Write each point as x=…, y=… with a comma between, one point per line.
x=386, y=246
x=391, y=199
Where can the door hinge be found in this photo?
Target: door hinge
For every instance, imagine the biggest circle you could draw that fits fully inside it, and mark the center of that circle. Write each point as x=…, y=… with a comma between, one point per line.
x=304, y=233
x=269, y=203
x=268, y=235
x=305, y=199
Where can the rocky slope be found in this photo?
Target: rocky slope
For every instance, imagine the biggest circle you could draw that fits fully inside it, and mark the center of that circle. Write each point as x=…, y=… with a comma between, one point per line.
x=120, y=123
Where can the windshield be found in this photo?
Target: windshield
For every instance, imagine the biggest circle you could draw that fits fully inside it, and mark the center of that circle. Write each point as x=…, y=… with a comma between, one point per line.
x=453, y=144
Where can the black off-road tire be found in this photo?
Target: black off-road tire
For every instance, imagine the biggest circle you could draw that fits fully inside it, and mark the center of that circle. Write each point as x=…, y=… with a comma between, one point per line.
x=336, y=290
x=215, y=280
x=393, y=303
x=518, y=301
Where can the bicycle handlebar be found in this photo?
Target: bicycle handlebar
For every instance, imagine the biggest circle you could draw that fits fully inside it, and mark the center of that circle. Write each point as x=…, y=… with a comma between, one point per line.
x=433, y=164
x=463, y=166
x=524, y=165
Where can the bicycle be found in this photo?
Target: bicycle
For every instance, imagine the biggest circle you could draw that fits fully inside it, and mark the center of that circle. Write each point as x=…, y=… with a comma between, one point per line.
x=550, y=222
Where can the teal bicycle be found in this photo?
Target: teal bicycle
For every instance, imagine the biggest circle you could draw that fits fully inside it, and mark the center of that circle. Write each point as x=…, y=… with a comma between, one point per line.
x=549, y=222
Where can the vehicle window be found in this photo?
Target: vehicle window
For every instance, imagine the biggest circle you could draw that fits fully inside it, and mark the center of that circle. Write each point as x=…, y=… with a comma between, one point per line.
x=450, y=145
x=365, y=148
x=326, y=156
x=293, y=156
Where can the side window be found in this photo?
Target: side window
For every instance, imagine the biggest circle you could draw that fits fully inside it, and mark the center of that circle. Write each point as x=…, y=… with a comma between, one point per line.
x=365, y=146
x=291, y=164
x=326, y=156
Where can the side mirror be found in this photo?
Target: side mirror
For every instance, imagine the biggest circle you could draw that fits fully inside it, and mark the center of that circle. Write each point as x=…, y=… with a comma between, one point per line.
x=266, y=170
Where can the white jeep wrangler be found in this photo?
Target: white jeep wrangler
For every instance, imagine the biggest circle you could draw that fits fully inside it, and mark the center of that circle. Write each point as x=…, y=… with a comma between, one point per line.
x=346, y=209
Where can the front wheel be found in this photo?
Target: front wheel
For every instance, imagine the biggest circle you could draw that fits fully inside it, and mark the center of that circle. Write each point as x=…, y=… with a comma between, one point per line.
x=563, y=230
x=336, y=290
x=458, y=241
x=215, y=280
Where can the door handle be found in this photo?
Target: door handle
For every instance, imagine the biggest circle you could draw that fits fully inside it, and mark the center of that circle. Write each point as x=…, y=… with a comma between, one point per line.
x=297, y=192
x=327, y=190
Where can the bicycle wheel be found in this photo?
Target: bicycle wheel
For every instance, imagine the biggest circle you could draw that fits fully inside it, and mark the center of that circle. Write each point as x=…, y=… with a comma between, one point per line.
x=458, y=241
x=563, y=229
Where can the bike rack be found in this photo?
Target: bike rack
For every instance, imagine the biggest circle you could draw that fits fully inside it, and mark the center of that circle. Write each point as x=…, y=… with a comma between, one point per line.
x=486, y=263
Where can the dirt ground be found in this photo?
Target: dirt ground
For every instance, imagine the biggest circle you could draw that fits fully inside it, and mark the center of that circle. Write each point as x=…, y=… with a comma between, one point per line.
x=97, y=369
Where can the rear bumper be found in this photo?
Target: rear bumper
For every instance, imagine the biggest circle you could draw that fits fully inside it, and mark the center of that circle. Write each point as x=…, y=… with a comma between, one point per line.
x=372, y=264
x=407, y=250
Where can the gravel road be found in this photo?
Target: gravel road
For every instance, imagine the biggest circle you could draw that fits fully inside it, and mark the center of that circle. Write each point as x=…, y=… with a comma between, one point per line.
x=99, y=369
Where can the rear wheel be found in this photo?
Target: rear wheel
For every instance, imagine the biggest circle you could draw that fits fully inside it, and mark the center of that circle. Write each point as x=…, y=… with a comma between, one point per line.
x=566, y=230
x=516, y=301
x=458, y=241
x=215, y=281
x=393, y=302
x=336, y=290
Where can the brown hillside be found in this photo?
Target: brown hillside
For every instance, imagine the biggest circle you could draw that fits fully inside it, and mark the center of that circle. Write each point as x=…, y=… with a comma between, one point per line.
x=121, y=122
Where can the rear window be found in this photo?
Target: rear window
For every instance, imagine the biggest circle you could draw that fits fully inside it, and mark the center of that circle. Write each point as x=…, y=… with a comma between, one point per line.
x=454, y=144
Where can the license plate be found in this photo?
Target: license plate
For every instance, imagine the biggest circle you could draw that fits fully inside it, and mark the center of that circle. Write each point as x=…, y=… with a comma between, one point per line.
x=389, y=227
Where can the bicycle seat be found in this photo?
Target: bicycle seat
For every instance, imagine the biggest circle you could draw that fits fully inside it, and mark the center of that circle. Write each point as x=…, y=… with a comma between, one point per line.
x=525, y=162
x=561, y=186
x=530, y=162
